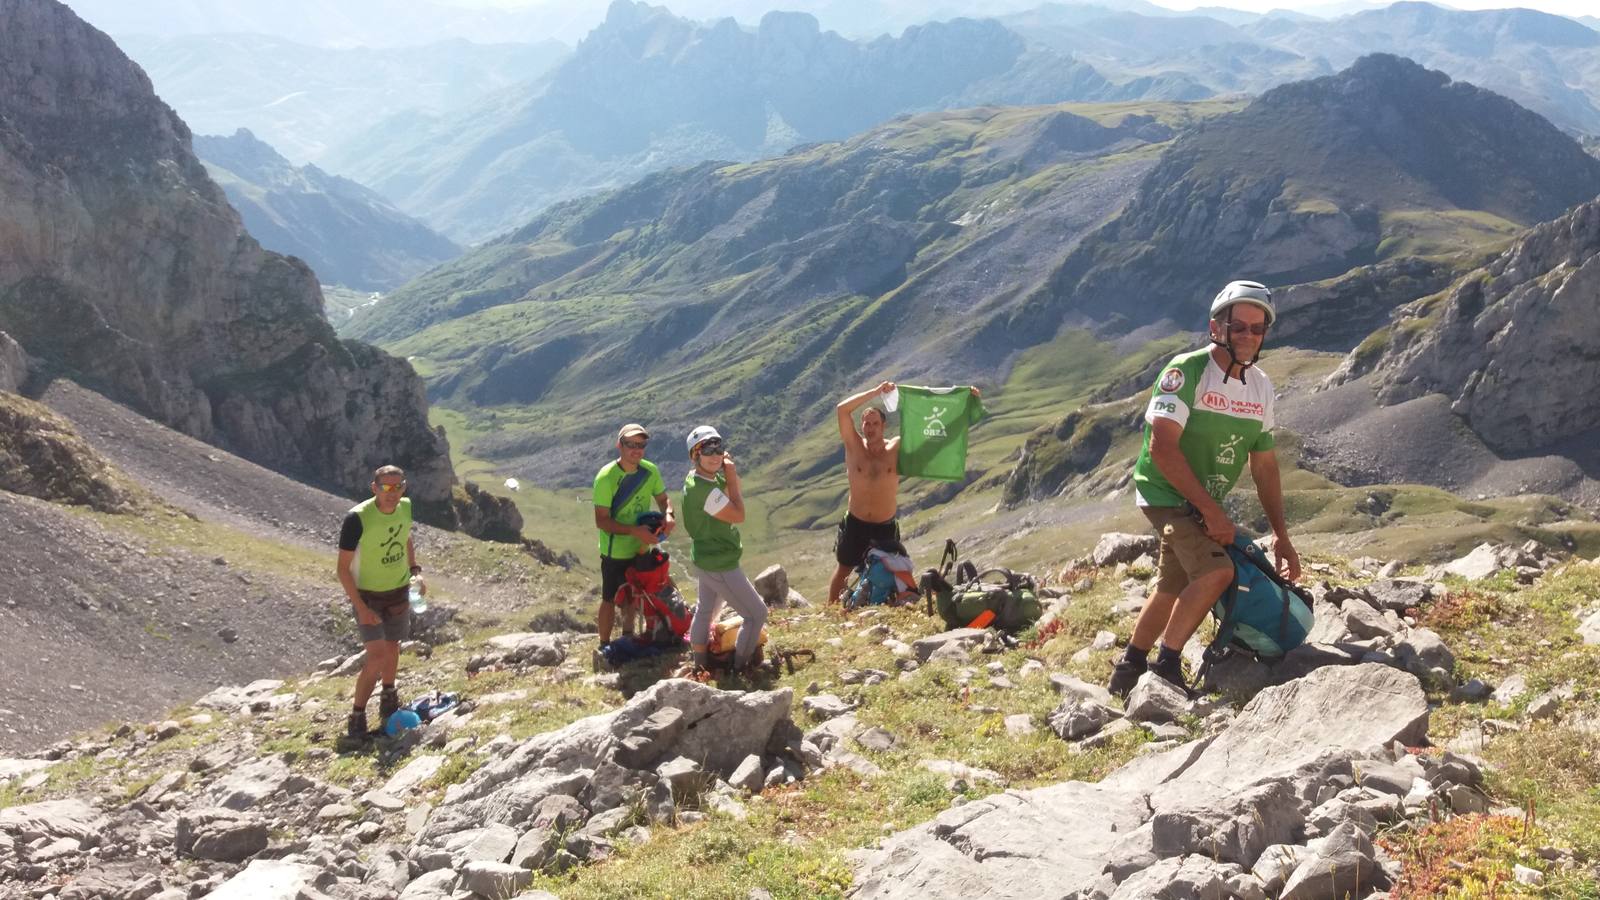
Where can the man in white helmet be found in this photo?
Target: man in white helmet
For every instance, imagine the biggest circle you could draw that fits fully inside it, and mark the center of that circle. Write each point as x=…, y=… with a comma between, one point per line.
x=1210, y=411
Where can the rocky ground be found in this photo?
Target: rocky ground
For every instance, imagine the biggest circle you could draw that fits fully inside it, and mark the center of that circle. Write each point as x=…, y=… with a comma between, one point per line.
x=1389, y=758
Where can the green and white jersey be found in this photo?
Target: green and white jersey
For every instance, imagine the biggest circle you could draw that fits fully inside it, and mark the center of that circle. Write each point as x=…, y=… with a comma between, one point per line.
x=1223, y=421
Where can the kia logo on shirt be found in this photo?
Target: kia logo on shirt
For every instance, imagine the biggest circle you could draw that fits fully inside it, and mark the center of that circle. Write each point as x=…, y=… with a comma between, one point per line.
x=1214, y=400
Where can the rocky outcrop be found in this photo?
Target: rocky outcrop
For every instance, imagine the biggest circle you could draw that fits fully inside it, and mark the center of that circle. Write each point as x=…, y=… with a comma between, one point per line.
x=486, y=516
x=1207, y=810
x=122, y=265
x=1058, y=458
x=348, y=234
x=13, y=364
x=558, y=798
x=1512, y=345
x=42, y=455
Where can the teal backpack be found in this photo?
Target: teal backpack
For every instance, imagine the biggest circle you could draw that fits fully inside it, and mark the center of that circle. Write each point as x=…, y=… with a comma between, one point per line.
x=1259, y=613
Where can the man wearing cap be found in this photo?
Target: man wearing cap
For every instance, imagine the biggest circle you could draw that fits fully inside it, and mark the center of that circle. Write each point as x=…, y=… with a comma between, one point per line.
x=1210, y=411
x=623, y=491
x=713, y=506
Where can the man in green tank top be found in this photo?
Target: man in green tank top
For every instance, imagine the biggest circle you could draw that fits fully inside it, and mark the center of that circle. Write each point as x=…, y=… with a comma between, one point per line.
x=377, y=562
x=1210, y=412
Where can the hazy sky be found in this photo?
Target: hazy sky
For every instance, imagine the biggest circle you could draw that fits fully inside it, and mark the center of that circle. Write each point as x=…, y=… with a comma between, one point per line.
x=1560, y=7
x=1318, y=7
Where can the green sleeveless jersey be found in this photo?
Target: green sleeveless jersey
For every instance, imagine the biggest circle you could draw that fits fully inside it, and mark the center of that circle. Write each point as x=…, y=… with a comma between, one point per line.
x=1223, y=419
x=381, y=561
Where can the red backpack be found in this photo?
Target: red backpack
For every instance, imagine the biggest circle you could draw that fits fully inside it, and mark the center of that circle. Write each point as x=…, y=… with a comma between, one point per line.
x=649, y=585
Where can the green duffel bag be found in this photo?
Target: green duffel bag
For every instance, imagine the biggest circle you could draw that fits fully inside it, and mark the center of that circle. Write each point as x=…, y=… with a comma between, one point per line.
x=1012, y=598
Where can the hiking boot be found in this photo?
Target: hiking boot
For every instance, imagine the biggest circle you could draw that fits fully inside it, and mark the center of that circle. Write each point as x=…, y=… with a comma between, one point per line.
x=1172, y=672
x=388, y=703
x=1124, y=675
x=356, y=727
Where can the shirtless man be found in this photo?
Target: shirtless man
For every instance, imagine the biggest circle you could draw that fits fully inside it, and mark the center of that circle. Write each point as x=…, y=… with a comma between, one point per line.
x=872, y=464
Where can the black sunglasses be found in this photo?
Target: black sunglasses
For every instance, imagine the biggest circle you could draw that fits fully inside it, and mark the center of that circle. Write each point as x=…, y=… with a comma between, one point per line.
x=710, y=448
x=1257, y=329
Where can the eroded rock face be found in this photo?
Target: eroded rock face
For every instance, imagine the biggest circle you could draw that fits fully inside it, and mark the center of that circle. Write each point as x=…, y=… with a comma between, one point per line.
x=121, y=261
x=675, y=732
x=1533, y=303
x=13, y=364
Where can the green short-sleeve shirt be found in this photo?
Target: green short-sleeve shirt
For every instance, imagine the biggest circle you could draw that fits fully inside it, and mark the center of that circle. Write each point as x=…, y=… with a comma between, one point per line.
x=606, y=481
x=716, y=545
x=1224, y=420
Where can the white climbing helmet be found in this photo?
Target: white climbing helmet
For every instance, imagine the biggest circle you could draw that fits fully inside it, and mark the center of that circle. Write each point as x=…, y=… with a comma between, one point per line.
x=699, y=435
x=1251, y=292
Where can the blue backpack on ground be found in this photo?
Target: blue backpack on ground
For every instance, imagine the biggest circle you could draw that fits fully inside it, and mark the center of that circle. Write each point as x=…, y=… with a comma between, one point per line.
x=432, y=706
x=1259, y=613
x=885, y=576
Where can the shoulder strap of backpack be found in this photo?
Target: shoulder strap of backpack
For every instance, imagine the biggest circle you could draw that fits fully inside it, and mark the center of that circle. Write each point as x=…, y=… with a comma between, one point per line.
x=947, y=562
x=626, y=488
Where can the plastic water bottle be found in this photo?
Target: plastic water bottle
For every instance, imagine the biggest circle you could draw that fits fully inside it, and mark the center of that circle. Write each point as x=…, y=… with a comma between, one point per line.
x=419, y=603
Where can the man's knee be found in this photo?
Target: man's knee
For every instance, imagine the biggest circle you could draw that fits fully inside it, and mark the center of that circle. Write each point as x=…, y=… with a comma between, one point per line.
x=1207, y=587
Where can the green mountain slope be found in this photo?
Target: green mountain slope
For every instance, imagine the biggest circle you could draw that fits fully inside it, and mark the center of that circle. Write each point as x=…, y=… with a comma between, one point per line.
x=348, y=234
x=756, y=291
x=939, y=248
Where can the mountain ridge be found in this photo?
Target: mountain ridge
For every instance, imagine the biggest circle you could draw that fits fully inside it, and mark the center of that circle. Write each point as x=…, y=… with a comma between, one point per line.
x=648, y=90
x=346, y=233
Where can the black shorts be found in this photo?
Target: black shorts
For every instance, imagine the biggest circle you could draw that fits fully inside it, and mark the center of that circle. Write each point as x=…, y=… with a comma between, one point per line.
x=856, y=537
x=613, y=572
x=394, y=608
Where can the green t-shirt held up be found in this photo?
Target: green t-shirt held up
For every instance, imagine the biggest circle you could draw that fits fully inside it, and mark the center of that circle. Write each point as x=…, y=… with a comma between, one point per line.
x=606, y=481
x=716, y=546
x=933, y=430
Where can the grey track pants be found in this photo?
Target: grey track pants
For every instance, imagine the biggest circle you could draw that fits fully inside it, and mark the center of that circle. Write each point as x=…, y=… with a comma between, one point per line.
x=734, y=588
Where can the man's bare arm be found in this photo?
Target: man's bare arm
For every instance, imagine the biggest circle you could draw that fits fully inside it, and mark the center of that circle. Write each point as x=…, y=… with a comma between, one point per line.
x=847, y=407
x=1269, y=489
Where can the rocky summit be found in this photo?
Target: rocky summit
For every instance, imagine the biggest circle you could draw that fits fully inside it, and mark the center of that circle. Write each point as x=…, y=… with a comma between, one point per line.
x=1318, y=177
x=124, y=266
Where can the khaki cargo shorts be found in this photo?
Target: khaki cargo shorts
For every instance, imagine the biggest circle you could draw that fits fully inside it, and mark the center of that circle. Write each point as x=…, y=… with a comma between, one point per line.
x=1186, y=552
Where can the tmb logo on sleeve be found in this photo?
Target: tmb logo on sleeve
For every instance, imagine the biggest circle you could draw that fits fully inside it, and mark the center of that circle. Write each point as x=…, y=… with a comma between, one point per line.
x=1171, y=380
